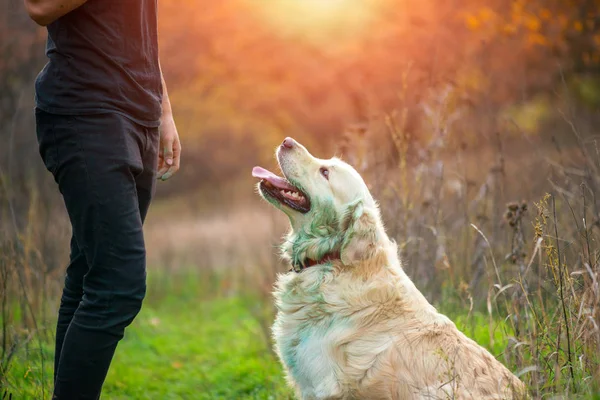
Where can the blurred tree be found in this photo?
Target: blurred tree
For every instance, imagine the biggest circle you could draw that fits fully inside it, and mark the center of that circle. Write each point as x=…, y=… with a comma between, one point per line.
x=243, y=76
x=21, y=58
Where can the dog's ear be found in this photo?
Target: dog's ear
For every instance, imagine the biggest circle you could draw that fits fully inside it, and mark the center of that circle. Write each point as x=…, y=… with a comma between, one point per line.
x=359, y=233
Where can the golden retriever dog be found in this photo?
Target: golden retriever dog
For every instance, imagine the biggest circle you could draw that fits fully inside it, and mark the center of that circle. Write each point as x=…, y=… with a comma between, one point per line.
x=351, y=324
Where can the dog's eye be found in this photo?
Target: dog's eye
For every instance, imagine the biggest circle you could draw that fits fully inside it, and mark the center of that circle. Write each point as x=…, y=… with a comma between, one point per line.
x=324, y=172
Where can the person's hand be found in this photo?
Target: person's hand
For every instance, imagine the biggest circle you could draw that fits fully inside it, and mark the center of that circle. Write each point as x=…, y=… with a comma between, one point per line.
x=169, y=151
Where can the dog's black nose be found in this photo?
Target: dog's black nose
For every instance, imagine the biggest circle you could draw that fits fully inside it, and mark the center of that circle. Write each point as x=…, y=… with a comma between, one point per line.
x=288, y=143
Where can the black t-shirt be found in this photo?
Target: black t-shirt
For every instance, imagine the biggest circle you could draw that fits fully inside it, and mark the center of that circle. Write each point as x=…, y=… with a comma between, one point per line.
x=103, y=57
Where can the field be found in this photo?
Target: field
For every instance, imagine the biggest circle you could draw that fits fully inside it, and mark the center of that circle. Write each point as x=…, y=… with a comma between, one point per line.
x=180, y=347
x=525, y=287
x=185, y=346
x=204, y=330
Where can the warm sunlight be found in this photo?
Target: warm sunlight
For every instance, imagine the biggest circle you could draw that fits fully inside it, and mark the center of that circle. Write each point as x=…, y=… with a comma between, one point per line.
x=319, y=20
x=405, y=191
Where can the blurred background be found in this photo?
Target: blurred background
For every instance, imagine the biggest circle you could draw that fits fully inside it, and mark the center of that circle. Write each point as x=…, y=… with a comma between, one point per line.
x=473, y=122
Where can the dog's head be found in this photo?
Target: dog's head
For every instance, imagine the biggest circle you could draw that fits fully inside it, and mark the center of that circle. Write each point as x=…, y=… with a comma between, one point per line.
x=331, y=210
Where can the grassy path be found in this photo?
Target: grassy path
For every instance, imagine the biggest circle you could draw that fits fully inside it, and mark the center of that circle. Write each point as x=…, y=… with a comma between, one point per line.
x=178, y=349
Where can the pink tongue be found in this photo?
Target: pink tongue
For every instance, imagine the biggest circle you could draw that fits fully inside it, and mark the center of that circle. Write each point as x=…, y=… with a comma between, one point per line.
x=261, y=173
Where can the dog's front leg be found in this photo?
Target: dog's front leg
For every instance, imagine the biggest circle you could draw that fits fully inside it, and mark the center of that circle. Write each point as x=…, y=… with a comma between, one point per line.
x=327, y=389
x=327, y=397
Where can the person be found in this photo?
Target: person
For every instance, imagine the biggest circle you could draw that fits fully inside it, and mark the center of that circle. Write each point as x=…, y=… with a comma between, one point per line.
x=106, y=133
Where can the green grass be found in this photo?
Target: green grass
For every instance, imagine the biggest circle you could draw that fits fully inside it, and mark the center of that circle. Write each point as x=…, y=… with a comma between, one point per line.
x=192, y=343
x=181, y=348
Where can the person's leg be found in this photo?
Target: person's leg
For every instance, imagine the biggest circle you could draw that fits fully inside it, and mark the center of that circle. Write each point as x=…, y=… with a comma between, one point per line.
x=98, y=159
x=78, y=267
x=71, y=297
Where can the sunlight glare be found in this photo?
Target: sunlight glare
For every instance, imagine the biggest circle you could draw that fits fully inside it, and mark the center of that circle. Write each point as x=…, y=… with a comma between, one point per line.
x=319, y=20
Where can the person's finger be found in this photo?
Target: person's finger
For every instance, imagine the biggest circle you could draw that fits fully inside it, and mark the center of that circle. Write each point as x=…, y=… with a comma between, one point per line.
x=168, y=150
x=161, y=173
x=165, y=158
x=170, y=172
x=162, y=169
x=177, y=153
x=176, y=161
x=167, y=175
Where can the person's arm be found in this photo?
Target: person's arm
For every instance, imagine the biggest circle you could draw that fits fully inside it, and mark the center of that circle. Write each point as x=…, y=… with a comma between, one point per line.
x=44, y=12
x=169, y=152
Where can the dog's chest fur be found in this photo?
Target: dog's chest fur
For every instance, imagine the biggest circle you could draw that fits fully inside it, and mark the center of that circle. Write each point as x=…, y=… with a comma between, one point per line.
x=320, y=333
x=305, y=330
x=341, y=335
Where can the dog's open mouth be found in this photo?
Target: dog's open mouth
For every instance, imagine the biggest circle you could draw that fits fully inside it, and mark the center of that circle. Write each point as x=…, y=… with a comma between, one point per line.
x=281, y=190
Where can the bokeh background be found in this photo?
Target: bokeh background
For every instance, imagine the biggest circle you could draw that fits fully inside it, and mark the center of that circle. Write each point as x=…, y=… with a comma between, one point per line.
x=473, y=122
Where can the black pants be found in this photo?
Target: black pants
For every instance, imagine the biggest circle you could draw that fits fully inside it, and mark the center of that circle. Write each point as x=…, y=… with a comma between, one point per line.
x=105, y=167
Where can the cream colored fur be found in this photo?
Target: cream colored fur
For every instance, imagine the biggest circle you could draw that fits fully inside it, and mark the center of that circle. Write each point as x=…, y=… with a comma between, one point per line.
x=358, y=328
